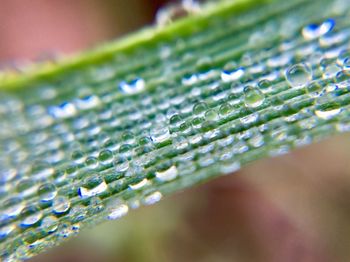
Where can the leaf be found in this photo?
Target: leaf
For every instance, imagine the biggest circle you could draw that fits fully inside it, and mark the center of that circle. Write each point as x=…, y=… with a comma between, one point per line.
x=95, y=135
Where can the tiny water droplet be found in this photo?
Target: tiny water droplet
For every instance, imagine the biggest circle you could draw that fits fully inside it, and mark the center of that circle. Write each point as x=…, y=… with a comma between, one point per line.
x=253, y=97
x=121, y=165
x=299, y=75
x=65, y=110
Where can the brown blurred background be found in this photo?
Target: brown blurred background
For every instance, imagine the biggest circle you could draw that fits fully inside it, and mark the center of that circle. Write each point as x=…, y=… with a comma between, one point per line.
x=290, y=208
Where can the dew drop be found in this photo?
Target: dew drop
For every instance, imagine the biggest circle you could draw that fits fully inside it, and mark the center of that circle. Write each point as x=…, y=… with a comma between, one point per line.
x=117, y=211
x=47, y=192
x=211, y=115
x=121, y=165
x=313, y=31
x=87, y=102
x=61, y=204
x=160, y=134
x=225, y=109
x=253, y=97
x=139, y=185
x=232, y=75
x=167, y=175
x=65, y=110
x=91, y=162
x=132, y=87
x=105, y=157
x=5, y=231
x=49, y=224
x=93, y=186
x=31, y=215
x=78, y=157
x=152, y=198
x=200, y=108
x=299, y=75
x=326, y=107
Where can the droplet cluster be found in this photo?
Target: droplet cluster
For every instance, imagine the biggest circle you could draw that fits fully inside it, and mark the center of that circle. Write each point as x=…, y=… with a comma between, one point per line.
x=96, y=143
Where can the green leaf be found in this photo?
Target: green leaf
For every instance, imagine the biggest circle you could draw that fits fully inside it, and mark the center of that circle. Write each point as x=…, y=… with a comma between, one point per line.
x=93, y=136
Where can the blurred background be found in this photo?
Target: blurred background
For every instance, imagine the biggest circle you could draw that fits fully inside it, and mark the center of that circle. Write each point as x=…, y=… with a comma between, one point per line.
x=291, y=208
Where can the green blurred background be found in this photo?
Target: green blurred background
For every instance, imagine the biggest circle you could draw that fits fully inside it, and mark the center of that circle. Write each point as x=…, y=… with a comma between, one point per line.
x=291, y=208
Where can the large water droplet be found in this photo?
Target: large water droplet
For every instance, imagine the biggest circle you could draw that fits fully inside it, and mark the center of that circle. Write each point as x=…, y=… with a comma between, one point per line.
x=299, y=75
x=327, y=107
x=139, y=185
x=105, y=157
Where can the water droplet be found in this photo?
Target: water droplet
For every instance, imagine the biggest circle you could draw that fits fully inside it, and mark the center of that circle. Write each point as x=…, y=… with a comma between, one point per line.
x=49, y=224
x=314, y=89
x=94, y=185
x=172, y=12
x=251, y=118
x=77, y=213
x=152, y=198
x=326, y=107
x=265, y=85
x=253, y=97
x=47, y=192
x=329, y=69
x=78, y=157
x=121, y=165
x=200, y=108
x=105, y=157
x=299, y=75
x=6, y=231
x=31, y=216
x=65, y=110
x=232, y=75
x=313, y=31
x=87, y=102
x=211, y=115
x=117, y=211
x=12, y=208
x=168, y=174
x=225, y=109
x=160, y=133
x=139, y=185
x=133, y=87
x=26, y=187
x=61, y=204
x=189, y=79
x=91, y=163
